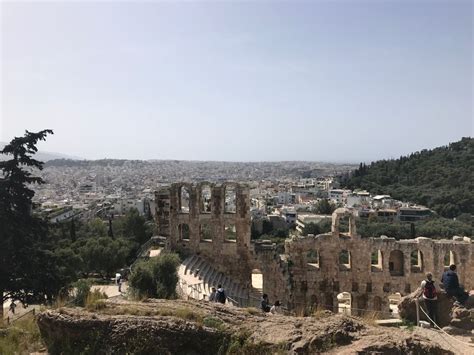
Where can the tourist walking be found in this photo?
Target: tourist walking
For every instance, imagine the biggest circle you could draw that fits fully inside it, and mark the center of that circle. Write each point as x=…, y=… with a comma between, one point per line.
x=428, y=291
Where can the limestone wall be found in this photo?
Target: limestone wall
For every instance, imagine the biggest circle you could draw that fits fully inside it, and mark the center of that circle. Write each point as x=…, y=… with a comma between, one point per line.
x=205, y=227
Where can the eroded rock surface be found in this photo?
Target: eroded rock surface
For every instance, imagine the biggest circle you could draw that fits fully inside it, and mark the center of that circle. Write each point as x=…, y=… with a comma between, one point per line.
x=186, y=327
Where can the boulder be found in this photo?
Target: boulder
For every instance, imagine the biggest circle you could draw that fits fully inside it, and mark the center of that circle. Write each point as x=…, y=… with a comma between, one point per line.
x=407, y=308
x=448, y=314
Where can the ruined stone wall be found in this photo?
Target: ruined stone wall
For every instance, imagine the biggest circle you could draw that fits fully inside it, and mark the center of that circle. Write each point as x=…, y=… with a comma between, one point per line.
x=203, y=226
x=317, y=274
x=314, y=269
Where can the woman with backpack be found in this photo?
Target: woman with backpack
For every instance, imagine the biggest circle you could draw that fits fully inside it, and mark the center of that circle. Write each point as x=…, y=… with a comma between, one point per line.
x=428, y=291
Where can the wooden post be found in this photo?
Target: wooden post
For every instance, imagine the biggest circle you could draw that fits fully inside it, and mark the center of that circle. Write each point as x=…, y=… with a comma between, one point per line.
x=417, y=312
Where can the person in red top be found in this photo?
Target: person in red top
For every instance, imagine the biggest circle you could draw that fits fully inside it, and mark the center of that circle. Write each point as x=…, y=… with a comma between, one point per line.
x=428, y=291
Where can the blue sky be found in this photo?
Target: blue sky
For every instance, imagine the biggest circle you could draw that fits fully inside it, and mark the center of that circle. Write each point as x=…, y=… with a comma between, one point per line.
x=241, y=81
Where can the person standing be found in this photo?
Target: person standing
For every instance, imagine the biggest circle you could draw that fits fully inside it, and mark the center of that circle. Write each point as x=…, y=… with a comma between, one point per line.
x=220, y=295
x=120, y=282
x=12, y=307
x=212, y=296
x=428, y=291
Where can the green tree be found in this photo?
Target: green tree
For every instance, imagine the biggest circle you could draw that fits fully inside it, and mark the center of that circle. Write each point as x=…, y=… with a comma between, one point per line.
x=156, y=277
x=22, y=235
x=104, y=255
x=135, y=227
x=325, y=207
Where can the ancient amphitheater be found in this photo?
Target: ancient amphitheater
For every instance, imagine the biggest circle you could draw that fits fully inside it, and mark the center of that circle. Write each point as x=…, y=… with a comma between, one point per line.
x=314, y=271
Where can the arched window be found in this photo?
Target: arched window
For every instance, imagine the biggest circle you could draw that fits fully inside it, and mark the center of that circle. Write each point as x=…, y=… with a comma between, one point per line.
x=344, y=260
x=312, y=258
x=205, y=232
x=393, y=301
x=344, y=302
x=206, y=199
x=449, y=259
x=416, y=261
x=183, y=230
x=230, y=233
x=377, y=303
x=257, y=279
x=230, y=200
x=395, y=263
x=183, y=199
x=376, y=261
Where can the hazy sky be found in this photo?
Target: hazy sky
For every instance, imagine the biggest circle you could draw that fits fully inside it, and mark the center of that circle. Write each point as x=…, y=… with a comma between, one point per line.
x=255, y=80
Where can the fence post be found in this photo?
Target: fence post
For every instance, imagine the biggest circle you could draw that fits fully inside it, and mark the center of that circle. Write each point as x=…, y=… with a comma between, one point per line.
x=417, y=312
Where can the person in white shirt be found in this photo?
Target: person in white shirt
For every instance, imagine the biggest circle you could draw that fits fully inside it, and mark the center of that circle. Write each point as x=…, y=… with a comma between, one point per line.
x=276, y=308
x=428, y=291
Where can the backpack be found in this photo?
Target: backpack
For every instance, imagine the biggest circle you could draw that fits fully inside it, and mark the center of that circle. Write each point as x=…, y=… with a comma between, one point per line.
x=220, y=296
x=429, y=291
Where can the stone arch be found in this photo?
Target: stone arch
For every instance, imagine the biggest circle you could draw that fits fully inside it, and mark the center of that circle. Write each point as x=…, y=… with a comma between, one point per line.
x=205, y=232
x=183, y=231
x=230, y=232
x=230, y=198
x=396, y=263
x=344, y=303
x=312, y=258
x=377, y=304
x=376, y=261
x=393, y=301
x=205, y=197
x=450, y=258
x=184, y=198
x=257, y=279
x=361, y=304
x=336, y=217
x=313, y=301
x=344, y=260
x=328, y=301
x=416, y=261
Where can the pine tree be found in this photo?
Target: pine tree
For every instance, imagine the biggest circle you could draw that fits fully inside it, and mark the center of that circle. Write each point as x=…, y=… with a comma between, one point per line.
x=20, y=230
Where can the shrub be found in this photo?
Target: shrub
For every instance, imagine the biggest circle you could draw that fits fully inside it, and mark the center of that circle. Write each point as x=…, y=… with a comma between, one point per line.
x=213, y=322
x=83, y=288
x=156, y=277
x=95, y=300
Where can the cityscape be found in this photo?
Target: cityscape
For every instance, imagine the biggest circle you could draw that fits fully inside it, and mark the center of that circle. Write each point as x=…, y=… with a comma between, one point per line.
x=237, y=177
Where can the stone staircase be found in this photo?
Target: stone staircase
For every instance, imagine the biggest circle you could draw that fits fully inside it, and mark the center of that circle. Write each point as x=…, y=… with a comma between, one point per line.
x=197, y=277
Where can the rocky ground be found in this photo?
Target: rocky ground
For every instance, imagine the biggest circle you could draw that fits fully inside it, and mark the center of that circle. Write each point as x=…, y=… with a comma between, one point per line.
x=188, y=327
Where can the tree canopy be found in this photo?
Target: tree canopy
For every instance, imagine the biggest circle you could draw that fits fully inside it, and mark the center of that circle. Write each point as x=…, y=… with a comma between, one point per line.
x=441, y=178
x=28, y=262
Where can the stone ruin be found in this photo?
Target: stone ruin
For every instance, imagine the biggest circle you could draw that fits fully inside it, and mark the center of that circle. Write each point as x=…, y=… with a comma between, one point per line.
x=213, y=221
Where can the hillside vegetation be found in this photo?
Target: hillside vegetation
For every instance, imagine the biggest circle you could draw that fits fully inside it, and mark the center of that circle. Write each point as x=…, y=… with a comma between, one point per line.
x=441, y=178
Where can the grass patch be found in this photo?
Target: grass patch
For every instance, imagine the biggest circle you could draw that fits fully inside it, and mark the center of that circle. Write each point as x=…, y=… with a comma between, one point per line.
x=22, y=337
x=95, y=300
x=408, y=325
x=253, y=311
x=213, y=322
x=189, y=314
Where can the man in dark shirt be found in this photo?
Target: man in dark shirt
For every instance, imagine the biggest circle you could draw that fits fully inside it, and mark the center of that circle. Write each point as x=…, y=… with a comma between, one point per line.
x=264, y=304
x=451, y=285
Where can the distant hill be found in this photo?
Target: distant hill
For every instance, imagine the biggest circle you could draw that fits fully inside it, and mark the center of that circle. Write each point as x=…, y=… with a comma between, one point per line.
x=41, y=155
x=440, y=178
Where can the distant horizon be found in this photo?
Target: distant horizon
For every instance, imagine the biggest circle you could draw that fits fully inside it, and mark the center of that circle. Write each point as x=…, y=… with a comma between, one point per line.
x=77, y=158
x=327, y=81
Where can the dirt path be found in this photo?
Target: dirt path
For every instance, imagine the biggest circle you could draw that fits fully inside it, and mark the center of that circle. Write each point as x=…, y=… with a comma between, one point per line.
x=448, y=342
